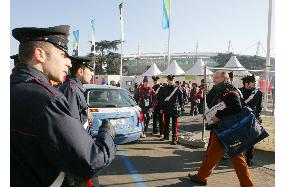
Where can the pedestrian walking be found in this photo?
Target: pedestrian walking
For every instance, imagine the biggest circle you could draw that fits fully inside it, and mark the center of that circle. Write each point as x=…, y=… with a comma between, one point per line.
x=226, y=92
x=145, y=101
x=171, y=102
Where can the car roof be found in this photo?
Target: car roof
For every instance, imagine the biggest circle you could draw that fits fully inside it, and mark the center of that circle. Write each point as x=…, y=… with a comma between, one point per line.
x=96, y=86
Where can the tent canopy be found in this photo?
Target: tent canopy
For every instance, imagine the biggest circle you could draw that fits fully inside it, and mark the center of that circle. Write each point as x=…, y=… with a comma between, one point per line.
x=198, y=69
x=152, y=71
x=173, y=69
x=234, y=63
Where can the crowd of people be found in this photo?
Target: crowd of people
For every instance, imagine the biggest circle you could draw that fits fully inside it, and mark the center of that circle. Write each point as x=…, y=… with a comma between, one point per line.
x=50, y=127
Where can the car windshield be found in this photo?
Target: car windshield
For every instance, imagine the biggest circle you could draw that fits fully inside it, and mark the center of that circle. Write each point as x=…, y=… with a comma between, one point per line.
x=109, y=98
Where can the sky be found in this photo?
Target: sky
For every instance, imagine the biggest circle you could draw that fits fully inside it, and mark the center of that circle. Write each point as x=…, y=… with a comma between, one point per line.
x=210, y=22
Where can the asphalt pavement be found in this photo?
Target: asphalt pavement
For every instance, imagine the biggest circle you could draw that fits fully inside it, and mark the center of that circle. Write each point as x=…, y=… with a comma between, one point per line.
x=151, y=162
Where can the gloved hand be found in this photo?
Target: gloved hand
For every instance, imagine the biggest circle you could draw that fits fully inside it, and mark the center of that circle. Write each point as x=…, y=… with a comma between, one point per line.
x=107, y=127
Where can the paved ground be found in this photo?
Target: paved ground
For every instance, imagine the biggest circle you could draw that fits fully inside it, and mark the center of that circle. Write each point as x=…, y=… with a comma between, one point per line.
x=150, y=162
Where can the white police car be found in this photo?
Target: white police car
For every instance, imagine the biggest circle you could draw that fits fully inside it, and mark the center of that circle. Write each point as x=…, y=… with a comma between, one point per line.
x=117, y=105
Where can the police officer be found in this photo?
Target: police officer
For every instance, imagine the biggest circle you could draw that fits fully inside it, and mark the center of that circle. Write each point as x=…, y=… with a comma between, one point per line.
x=45, y=138
x=253, y=99
x=171, y=102
x=81, y=73
x=157, y=116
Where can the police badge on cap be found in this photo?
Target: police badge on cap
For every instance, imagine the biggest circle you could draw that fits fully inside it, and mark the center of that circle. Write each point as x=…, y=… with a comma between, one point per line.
x=57, y=35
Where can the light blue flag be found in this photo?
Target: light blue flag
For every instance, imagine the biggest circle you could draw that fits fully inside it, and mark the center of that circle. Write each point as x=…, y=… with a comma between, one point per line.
x=166, y=14
x=76, y=39
x=93, y=25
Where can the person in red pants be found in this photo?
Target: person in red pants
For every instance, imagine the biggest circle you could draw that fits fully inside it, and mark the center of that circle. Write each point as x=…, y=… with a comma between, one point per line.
x=226, y=92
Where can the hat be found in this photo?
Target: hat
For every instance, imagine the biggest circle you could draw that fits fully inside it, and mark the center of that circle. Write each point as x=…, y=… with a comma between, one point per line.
x=248, y=79
x=57, y=35
x=145, y=79
x=15, y=58
x=155, y=78
x=202, y=81
x=170, y=77
x=87, y=61
x=231, y=74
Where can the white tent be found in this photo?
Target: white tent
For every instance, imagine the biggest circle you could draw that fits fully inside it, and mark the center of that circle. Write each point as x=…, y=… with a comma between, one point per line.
x=239, y=71
x=152, y=71
x=196, y=73
x=198, y=69
x=234, y=64
x=173, y=69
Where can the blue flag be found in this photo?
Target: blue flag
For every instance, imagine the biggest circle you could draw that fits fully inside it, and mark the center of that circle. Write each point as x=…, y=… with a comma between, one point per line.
x=166, y=14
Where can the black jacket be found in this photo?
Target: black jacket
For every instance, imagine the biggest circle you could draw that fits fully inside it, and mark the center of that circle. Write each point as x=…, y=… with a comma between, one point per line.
x=45, y=139
x=229, y=94
x=73, y=90
x=156, y=96
x=256, y=102
x=175, y=100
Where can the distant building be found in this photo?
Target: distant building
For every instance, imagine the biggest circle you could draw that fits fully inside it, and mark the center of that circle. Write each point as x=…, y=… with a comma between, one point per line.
x=138, y=64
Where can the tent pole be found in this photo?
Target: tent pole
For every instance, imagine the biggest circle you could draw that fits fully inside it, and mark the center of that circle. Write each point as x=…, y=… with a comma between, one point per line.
x=204, y=102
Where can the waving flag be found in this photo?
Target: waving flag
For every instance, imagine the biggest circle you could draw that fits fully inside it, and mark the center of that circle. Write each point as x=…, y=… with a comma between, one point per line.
x=166, y=14
x=76, y=40
x=93, y=36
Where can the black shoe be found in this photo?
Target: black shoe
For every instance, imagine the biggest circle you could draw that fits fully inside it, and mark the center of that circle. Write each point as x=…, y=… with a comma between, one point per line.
x=164, y=139
x=174, y=143
x=249, y=162
x=194, y=179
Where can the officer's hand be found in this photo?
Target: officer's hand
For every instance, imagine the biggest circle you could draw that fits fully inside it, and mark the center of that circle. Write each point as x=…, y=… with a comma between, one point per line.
x=215, y=119
x=107, y=127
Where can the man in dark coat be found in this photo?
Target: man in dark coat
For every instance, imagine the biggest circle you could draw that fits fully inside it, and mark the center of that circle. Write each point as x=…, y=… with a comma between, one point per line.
x=226, y=92
x=171, y=102
x=45, y=139
x=253, y=99
x=157, y=115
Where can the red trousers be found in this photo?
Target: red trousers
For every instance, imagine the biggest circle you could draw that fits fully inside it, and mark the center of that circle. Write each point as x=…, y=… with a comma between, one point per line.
x=214, y=154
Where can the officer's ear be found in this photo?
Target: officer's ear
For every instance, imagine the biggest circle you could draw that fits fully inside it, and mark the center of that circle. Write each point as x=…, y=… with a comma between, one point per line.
x=80, y=71
x=40, y=54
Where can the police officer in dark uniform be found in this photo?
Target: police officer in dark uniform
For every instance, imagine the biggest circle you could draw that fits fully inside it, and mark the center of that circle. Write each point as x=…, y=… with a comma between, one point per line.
x=81, y=73
x=253, y=99
x=171, y=102
x=45, y=139
x=157, y=116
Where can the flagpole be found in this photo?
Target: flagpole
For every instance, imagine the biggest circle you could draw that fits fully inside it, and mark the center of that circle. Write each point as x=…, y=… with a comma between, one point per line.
x=268, y=55
x=169, y=31
x=121, y=40
x=93, y=47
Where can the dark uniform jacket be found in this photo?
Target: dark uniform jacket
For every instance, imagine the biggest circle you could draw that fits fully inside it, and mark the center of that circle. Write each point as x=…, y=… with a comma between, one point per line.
x=73, y=90
x=156, y=105
x=256, y=102
x=229, y=94
x=45, y=139
x=175, y=101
